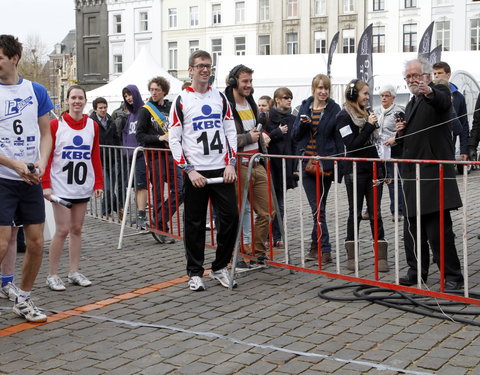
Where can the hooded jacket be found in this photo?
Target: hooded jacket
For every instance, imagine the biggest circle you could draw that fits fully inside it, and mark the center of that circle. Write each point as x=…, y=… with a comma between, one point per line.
x=128, y=123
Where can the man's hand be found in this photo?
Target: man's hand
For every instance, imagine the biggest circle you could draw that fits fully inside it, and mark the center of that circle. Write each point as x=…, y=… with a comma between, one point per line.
x=255, y=135
x=197, y=179
x=229, y=174
x=29, y=177
x=400, y=127
x=98, y=193
x=424, y=89
x=163, y=138
x=463, y=157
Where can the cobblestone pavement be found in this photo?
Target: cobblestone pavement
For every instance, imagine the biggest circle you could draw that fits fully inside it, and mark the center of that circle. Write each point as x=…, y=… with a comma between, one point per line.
x=139, y=317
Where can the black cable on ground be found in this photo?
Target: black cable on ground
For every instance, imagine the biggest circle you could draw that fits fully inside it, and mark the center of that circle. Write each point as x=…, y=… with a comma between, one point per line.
x=417, y=304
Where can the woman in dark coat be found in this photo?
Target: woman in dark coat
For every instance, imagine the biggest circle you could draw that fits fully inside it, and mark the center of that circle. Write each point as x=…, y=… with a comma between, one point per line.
x=280, y=127
x=359, y=132
x=315, y=134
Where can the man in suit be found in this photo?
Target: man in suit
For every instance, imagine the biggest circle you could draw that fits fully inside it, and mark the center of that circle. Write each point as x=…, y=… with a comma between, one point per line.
x=423, y=139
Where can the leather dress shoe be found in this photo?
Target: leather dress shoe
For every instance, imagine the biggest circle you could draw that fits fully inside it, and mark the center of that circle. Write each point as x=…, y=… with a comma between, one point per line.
x=409, y=281
x=453, y=285
x=405, y=280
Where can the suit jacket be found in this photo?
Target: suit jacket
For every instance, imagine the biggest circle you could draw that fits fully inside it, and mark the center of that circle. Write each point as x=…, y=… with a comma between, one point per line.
x=430, y=143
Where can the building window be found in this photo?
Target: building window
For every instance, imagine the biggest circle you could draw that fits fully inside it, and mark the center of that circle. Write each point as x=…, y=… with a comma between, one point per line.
x=216, y=14
x=320, y=41
x=292, y=43
x=117, y=23
x=216, y=50
x=378, y=5
x=117, y=63
x=443, y=34
x=240, y=46
x=292, y=8
x=475, y=34
x=172, y=18
x=348, y=41
x=194, y=16
x=264, y=44
x=347, y=6
x=410, y=37
x=264, y=10
x=193, y=45
x=410, y=3
x=143, y=21
x=240, y=12
x=172, y=55
x=319, y=8
x=378, y=36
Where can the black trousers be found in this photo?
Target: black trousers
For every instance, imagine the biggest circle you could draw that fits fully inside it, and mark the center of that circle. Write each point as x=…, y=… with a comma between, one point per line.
x=195, y=204
x=430, y=238
x=364, y=190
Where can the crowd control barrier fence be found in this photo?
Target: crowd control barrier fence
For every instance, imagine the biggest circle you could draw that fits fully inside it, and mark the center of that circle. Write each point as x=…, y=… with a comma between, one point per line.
x=165, y=218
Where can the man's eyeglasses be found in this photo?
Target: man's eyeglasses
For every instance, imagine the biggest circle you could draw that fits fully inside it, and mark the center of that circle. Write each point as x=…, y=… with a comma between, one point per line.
x=414, y=76
x=287, y=97
x=385, y=95
x=203, y=66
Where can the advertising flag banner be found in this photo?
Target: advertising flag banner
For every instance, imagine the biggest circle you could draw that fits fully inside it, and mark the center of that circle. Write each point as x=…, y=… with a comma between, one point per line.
x=364, y=59
x=333, y=47
x=425, y=43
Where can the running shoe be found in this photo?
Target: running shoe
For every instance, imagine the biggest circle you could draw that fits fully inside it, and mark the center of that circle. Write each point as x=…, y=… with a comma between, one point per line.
x=54, y=282
x=196, y=283
x=142, y=223
x=164, y=239
x=241, y=265
x=77, y=278
x=9, y=291
x=223, y=277
x=29, y=311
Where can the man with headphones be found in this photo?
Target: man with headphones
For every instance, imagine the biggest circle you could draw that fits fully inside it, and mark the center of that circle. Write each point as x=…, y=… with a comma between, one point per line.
x=250, y=140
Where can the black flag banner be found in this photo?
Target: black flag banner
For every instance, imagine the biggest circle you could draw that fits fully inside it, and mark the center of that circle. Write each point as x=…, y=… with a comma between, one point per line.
x=425, y=43
x=435, y=55
x=364, y=59
x=331, y=50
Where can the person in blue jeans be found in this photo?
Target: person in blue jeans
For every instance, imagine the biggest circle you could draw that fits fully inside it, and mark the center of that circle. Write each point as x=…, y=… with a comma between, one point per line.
x=315, y=132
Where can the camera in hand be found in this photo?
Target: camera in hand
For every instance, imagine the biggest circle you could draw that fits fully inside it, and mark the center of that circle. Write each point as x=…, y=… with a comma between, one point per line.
x=399, y=116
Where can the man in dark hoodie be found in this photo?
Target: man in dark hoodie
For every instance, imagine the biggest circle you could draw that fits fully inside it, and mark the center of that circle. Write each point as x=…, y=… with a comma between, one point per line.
x=152, y=132
x=108, y=137
x=127, y=128
x=250, y=140
x=442, y=70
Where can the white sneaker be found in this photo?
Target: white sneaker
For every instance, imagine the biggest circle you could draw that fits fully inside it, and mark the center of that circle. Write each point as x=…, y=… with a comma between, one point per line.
x=29, y=311
x=78, y=279
x=54, y=282
x=9, y=291
x=223, y=276
x=196, y=283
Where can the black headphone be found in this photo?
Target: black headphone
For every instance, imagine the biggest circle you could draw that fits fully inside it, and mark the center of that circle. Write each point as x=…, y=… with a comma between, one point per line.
x=352, y=91
x=232, y=76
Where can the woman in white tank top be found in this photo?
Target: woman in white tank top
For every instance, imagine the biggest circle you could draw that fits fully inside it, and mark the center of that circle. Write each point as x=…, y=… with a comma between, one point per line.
x=74, y=173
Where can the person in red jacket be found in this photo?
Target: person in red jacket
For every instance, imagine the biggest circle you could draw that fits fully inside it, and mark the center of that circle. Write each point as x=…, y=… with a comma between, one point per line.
x=73, y=173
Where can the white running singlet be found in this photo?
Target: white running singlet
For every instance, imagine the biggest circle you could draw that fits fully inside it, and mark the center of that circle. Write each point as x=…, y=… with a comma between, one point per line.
x=72, y=172
x=19, y=131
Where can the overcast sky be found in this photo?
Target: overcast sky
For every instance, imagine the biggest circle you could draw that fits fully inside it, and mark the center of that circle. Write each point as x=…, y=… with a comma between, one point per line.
x=51, y=20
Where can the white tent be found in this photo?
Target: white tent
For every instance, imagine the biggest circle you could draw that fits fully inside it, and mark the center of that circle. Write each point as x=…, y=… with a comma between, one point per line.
x=139, y=73
x=296, y=71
